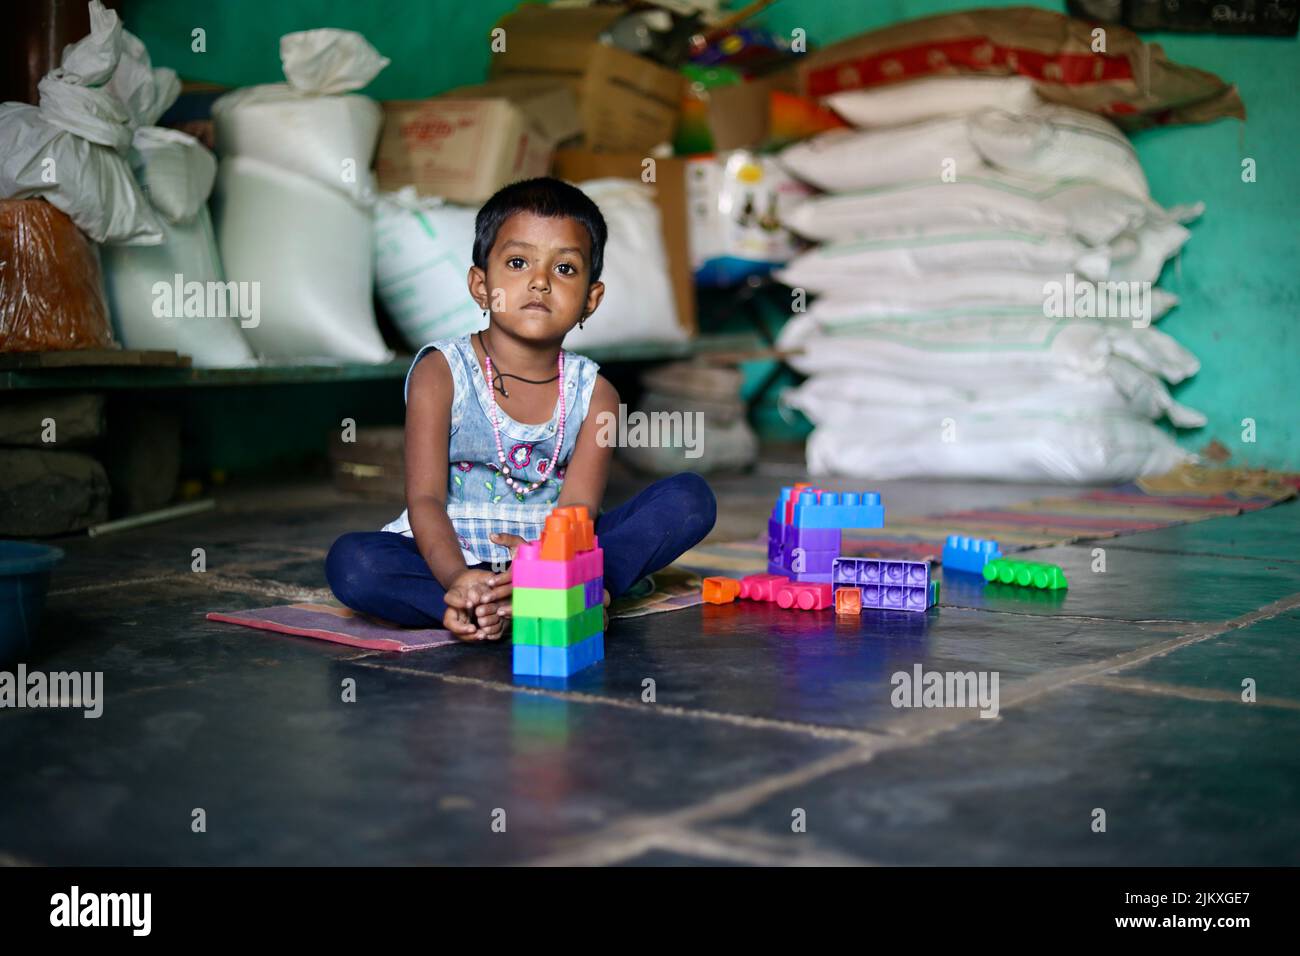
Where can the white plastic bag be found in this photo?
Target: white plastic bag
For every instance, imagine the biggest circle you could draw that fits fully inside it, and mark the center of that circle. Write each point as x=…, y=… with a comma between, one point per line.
x=309, y=249
x=952, y=293
x=131, y=275
x=972, y=350
x=933, y=97
x=1059, y=142
x=840, y=396
x=1030, y=445
x=917, y=253
x=638, y=305
x=311, y=125
x=423, y=250
x=72, y=149
x=842, y=160
x=1090, y=211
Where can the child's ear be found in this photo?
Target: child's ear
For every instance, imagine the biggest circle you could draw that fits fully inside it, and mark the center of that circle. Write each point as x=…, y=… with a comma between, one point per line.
x=477, y=282
x=595, y=293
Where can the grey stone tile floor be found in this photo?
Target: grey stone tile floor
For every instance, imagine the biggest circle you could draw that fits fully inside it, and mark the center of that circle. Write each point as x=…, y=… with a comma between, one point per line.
x=773, y=737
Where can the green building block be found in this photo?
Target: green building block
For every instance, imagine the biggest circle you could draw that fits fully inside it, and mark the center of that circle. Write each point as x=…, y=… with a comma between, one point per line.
x=548, y=602
x=1026, y=574
x=552, y=632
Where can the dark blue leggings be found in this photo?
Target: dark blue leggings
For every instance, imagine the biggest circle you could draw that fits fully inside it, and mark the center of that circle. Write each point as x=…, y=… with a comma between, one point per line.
x=383, y=574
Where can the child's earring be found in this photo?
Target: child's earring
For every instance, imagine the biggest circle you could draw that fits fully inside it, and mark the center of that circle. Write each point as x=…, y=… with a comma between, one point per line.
x=580, y=320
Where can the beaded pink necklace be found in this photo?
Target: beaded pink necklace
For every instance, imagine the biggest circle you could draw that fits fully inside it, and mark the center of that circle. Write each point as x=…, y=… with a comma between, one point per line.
x=520, y=487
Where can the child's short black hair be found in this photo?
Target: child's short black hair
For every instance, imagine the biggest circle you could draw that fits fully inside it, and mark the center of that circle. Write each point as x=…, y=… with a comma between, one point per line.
x=543, y=196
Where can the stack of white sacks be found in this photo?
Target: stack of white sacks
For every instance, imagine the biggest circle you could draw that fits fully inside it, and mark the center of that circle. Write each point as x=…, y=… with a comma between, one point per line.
x=294, y=199
x=983, y=290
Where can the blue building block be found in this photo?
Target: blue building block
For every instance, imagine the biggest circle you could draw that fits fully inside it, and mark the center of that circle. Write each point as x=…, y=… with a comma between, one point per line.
x=849, y=509
x=567, y=661
x=969, y=555
x=527, y=659
x=889, y=585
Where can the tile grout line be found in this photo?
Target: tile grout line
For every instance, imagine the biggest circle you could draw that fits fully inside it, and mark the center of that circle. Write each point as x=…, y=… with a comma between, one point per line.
x=740, y=799
x=1138, y=685
x=664, y=710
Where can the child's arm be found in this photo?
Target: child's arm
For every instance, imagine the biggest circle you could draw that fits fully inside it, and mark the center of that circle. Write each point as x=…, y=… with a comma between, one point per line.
x=428, y=436
x=588, y=471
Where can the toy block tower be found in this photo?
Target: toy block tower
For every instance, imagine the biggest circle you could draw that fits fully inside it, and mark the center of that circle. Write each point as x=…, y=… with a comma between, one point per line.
x=557, y=605
x=804, y=531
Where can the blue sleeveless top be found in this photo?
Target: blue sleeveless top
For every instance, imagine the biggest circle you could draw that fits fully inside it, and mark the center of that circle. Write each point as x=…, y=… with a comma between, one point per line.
x=479, y=502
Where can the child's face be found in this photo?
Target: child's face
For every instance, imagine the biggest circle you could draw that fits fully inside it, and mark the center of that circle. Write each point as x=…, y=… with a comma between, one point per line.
x=536, y=283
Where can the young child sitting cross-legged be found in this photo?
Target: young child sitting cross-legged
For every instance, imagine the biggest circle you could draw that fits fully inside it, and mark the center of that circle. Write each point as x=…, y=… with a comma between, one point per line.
x=501, y=427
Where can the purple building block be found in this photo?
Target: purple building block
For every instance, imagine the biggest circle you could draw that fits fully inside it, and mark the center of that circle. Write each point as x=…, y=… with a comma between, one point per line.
x=890, y=585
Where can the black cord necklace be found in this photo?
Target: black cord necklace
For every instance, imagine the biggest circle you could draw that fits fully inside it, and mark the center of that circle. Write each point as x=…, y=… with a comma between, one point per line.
x=498, y=375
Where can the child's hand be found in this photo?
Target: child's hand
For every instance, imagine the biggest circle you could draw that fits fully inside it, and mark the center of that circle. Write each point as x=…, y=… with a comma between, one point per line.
x=478, y=604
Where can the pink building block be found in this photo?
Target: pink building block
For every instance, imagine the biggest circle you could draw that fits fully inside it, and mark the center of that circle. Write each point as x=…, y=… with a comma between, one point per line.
x=762, y=587
x=805, y=595
x=530, y=570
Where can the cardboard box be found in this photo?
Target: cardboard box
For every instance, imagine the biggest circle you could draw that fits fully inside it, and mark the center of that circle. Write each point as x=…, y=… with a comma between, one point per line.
x=627, y=102
x=467, y=144
x=577, y=165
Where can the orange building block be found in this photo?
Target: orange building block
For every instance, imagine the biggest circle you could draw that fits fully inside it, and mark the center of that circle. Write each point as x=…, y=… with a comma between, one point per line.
x=848, y=601
x=559, y=538
x=720, y=590
x=583, y=526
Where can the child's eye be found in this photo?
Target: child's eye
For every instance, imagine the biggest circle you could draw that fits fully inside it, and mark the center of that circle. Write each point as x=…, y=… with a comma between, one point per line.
x=516, y=259
x=564, y=265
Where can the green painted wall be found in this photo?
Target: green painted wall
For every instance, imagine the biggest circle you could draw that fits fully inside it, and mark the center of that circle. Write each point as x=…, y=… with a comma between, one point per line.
x=1237, y=276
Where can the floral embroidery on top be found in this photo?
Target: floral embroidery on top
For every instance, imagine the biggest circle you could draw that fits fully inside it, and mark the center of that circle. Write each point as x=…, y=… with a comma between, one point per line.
x=518, y=460
x=464, y=465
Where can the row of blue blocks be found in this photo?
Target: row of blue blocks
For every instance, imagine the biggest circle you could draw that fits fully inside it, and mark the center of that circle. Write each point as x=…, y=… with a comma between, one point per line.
x=559, y=661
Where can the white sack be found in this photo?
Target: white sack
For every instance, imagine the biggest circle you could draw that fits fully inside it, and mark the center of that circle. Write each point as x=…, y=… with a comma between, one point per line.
x=933, y=97
x=307, y=125
x=422, y=258
x=953, y=293
x=914, y=254
x=72, y=149
x=638, y=305
x=1090, y=211
x=130, y=274
x=970, y=351
x=309, y=247
x=1030, y=445
x=841, y=160
x=1059, y=142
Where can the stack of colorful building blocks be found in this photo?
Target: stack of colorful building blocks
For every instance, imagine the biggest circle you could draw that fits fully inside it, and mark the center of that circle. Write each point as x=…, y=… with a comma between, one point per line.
x=1026, y=574
x=887, y=585
x=804, y=531
x=557, y=606
x=961, y=553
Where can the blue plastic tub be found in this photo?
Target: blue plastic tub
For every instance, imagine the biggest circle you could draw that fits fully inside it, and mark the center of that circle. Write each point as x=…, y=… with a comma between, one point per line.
x=25, y=569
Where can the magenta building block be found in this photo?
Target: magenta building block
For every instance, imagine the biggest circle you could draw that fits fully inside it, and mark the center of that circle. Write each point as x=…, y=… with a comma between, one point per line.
x=529, y=570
